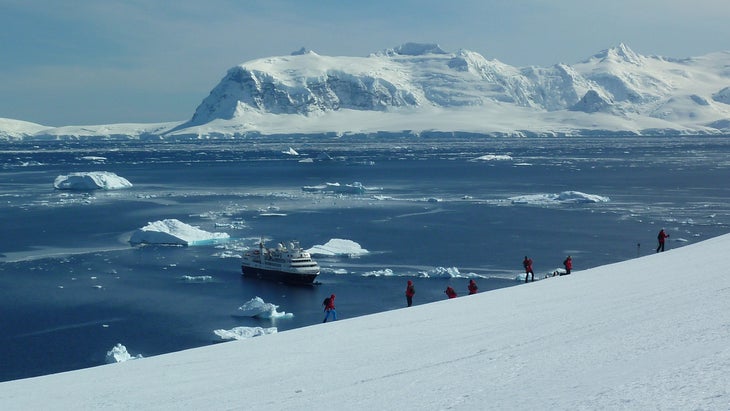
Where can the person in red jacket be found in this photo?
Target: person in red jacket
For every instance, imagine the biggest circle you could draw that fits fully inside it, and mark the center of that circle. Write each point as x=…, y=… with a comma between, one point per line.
x=527, y=263
x=410, y=292
x=450, y=292
x=472, y=287
x=661, y=237
x=568, y=263
x=329, y=308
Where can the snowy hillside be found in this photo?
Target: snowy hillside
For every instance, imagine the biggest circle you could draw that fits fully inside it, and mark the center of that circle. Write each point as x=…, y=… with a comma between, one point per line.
x=422, y=89
x=648, y=333
x=13, y=129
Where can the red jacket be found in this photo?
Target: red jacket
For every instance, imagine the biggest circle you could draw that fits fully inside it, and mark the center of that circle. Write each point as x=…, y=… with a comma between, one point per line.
x=527, y=263
x=472, y=287
x=410, y=289
x=450, y=292
x=331, y=305
x=662, y=235
x=568, y=263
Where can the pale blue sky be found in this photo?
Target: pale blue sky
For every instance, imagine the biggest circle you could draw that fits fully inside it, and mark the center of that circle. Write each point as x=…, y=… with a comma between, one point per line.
x=111, y=61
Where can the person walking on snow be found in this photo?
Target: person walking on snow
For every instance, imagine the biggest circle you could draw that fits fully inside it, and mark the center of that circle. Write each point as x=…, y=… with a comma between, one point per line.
x=410, y=292
x=472, y=287
x=661, y=237
x=527, y=263
x=450, y=292
x=329, y=308
x=568, y=263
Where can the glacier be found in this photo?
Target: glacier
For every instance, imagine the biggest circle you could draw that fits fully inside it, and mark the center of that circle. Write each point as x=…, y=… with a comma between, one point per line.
x=421, y=90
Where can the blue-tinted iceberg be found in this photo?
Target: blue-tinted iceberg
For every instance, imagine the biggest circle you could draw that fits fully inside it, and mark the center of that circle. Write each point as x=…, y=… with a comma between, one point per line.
x=174, y=232
x=91, y=180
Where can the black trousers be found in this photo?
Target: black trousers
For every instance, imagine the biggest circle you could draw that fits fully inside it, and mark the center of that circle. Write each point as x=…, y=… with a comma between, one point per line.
x=527, y=275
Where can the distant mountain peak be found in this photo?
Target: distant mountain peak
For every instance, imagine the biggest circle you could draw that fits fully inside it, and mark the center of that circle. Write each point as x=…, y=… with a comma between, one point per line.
x=415, y=49
x=620, y=53
x=302, y=51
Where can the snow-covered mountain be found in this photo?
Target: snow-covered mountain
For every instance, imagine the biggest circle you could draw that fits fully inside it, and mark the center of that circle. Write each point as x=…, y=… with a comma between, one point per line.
x=420, y=88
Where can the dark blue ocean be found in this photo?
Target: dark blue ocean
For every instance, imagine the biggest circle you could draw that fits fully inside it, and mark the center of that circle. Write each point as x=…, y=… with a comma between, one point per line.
x=72, y=287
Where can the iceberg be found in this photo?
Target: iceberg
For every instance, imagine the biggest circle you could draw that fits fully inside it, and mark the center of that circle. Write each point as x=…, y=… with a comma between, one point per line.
x=92, y=180
x=174, y=232
x=338, y=246
x=119, y=353
x=565, y=197
x=257, y=307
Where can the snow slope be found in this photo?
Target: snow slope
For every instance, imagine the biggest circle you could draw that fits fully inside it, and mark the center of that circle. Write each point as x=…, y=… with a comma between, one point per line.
x=648, y=333
x=421, y=89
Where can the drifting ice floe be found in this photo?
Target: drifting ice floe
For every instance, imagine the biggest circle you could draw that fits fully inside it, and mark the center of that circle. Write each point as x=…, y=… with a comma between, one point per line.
x=256, y=307
x=119, y=354
x=337, y=188
x=175, y=232
x=385, y=272
x=566, y=197
x=96, y=159
x=197, y=278
x=290, y=152
x=92, y=180
x=493, y=157
x=338, y=246
x=242, y=333
x=446, y=272
x=437, y=272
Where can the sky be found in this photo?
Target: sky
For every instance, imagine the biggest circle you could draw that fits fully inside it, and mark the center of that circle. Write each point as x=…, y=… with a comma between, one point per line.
x=646, y=333
x=101, y=62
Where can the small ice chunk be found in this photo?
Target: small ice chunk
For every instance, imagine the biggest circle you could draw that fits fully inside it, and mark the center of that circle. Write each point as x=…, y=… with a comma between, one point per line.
x=242, y=333
x=119, y=353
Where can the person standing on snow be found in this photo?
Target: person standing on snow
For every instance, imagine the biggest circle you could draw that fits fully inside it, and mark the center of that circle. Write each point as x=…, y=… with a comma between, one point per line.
x=527, y=263
x=450, y=292
x=661, y=237
x=410, y=292
x=329, y=308
x=568, y=263
x=472, y=287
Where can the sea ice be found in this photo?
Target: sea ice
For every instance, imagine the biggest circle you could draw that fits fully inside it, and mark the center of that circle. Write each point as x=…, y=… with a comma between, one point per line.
x=385, y=272
x=565, y=197
x=447, y=272
x=96, y=159
x=242, y=333
x=337, y=188
x=174, y=232
x=493, y=157
x=197, y=278
x=92, y=180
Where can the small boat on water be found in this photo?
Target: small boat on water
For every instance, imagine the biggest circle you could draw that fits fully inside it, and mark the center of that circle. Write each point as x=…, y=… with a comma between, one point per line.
x=286, y=263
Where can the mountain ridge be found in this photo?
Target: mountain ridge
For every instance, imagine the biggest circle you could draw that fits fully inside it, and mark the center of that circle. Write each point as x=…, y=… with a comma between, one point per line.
x=415, y=85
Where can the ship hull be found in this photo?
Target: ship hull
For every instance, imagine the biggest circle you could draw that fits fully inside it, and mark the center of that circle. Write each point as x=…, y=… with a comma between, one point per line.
x=280, y=276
